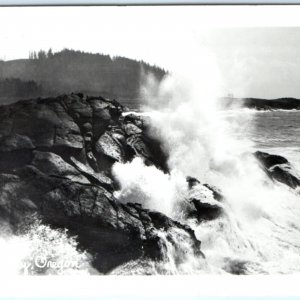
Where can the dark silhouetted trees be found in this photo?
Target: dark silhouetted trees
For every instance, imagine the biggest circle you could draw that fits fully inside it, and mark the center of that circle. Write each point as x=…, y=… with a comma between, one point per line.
x=76, y=71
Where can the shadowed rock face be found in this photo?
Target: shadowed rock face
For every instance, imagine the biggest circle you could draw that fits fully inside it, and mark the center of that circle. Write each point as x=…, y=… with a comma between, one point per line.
x=278, y=168
x=204, y=200
x=56, y=156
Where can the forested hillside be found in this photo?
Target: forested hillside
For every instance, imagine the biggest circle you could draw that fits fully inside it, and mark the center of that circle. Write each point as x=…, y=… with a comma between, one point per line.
x=51, y=74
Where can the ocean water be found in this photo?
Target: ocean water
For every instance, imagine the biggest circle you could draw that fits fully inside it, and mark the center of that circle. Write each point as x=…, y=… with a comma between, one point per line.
x=259, y=232
x=278, y=132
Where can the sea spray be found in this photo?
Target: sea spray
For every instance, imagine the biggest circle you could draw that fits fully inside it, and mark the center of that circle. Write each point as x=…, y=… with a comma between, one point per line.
x=42, y=250
x=149, y=186
x=178, y=257
x=260, y=228
x=186, y=115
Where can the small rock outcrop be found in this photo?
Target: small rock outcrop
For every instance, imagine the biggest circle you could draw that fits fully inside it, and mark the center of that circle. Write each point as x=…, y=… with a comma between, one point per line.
x=56, y=156
x=204, y=200
x=278, y=168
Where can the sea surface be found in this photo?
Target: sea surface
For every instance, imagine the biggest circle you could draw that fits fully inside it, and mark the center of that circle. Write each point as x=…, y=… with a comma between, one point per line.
x=266, y=216
x=278, y=132
x=275, y=132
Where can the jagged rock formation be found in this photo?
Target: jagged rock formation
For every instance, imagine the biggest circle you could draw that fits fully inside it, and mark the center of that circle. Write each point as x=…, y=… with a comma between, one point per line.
x=204, y=200
x=278, y=168
x=56, y=156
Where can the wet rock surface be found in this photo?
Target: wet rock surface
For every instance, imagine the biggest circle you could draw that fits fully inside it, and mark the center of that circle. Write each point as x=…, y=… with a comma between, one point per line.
x=278, y=168
x=204, y=200
x=56, y=156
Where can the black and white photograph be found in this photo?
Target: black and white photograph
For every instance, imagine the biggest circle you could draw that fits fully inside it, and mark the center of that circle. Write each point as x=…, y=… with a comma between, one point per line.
x=149, y=140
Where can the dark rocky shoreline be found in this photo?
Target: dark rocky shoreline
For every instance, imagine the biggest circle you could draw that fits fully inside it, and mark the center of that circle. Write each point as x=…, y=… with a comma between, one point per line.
x=56, y=156
x=263, y=104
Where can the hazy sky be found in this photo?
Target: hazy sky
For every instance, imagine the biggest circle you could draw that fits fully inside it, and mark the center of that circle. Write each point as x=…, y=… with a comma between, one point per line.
x=256, y=49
